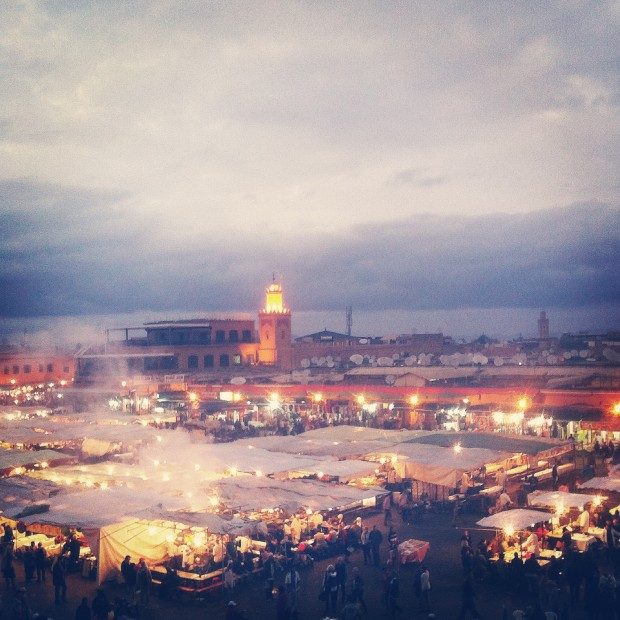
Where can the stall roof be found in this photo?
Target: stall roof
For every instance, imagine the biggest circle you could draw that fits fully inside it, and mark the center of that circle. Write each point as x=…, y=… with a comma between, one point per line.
x=493, y=441
x=603, y=483
x=518, y=518
x=302, y=444
x=346, y=432
x=10, y=459
x=437, y=465
x=553, y=498
x=19, y=492
x=95, y=508
x=248, y=494
x=343, y=470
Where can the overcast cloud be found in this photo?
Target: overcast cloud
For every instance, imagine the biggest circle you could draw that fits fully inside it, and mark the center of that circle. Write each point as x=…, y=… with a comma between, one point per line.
x=431, y=156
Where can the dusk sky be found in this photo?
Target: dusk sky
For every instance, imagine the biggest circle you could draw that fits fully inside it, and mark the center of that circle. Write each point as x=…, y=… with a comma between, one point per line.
x=429, y=157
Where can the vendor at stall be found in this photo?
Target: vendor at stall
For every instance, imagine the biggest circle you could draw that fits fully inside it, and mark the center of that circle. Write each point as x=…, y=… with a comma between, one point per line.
x=532, y=544
x=582, y=523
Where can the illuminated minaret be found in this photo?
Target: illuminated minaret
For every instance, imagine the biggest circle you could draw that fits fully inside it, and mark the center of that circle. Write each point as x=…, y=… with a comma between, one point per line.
x=274, y=329
x=543, y=326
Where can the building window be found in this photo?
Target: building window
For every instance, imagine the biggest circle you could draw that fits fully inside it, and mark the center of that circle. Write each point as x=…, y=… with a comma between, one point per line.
x=41, y=367
x=237, y=360
x=192, y=361
x=50, y=368
x=205, y=337
x=27, y=369
x=220, y=335
x=208, y=361
x=249, y=359
x=7, y=370
x=15, y=370
x=246, y=335
x=233, y=335
x=224, y=360
x=65, y=368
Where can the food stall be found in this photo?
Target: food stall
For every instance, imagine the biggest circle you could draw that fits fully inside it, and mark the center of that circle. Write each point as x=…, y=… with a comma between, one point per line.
x=511, y=530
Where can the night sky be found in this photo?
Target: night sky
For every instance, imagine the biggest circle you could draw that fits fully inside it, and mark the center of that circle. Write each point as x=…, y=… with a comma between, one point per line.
x=169, y=156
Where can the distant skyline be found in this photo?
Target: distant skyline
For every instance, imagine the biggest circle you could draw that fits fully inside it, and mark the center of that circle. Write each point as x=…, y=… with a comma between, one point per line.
x=435, y=163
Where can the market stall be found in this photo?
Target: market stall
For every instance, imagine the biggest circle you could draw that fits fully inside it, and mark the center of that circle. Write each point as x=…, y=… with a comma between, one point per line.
x=413, y=551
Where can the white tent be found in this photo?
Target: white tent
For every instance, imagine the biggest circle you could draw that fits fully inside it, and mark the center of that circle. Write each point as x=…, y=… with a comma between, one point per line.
x=518, y=519
x=343, y=470
x=602, y=483
x=19, y=493
x=150, y=537
x=434, y=464
x=249, y=493
x=335, y=447
x=552, y=499
x=10, y=459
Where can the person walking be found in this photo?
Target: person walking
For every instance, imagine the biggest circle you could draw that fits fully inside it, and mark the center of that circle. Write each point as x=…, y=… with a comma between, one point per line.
x=469, y=595
x=59, y=572
x=554, y=476
x=143, y=582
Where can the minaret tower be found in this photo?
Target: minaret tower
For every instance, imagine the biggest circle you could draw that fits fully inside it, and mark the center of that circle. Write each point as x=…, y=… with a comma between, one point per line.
x=274, y=329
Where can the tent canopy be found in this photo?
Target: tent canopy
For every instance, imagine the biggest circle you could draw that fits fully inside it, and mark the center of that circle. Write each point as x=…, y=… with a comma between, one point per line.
x=436, y=465
x=343, y=470
x=248, y=493
x=602, y=483
x=555, y=498
x=518, y=518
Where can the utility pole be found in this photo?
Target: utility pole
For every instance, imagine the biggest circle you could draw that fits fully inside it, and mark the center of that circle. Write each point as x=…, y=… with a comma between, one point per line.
x=349, y=319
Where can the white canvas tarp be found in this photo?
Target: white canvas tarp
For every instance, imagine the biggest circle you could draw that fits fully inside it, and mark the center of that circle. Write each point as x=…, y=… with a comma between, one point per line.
x=343, y=470
x=248, y=493
x=602, y=483
x=437, y=465
x=10, y=459
x=518, y=518
x=552, y=499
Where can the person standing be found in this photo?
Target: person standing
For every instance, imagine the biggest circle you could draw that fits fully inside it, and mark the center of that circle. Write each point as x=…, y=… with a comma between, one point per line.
x=40, y=562
x=375, y=538
x=29, y=564
x=365, y=545
x=101, y=606
x=83, y=611
x=128, y=572
x=8, y=570
x=330, y=590
x=387, y=509
x=341, y=575
x=425, y=589
x=469, y=595
x=59, y=572
x=143, y=582
x=357, y=589
x=291, y=583
x=554, y=476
